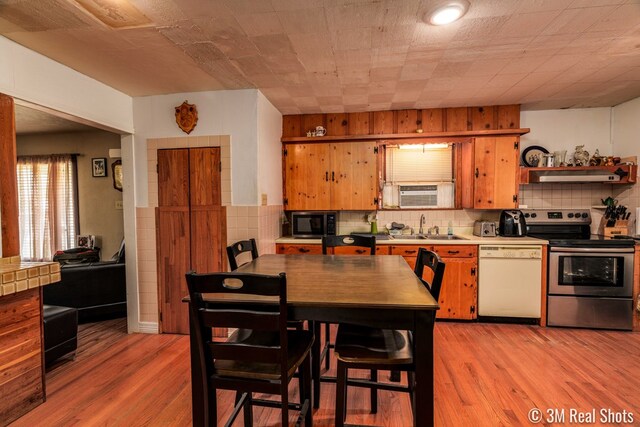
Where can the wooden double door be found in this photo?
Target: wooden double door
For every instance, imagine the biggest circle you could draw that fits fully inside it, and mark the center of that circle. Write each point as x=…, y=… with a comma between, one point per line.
x=190, y=227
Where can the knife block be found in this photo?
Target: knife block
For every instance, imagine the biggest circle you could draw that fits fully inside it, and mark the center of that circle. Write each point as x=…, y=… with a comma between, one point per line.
x=621, y=227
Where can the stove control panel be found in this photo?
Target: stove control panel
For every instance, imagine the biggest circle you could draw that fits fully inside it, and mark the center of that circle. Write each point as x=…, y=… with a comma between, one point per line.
x=557, y=216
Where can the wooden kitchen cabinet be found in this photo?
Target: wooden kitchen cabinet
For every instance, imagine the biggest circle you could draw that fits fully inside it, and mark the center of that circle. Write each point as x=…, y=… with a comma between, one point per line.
x=496, y=173
x=294, y=249
x=459, y=293
x=316, y=249
x=330, y=176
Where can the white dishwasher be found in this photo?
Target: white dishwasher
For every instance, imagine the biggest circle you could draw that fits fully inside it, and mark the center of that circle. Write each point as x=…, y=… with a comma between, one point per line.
x=509, y=281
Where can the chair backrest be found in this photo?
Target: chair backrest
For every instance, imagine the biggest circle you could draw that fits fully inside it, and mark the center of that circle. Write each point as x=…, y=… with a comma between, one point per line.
x=353, y=241
x=432, y=261
x=239, y=248
x=268, y=317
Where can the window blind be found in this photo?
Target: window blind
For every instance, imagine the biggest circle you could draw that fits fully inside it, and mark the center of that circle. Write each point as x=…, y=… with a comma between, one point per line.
x=47, y=205
x=419, y=165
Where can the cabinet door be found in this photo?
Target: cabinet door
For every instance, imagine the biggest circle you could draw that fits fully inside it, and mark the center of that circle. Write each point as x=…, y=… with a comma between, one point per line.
x=307, y=176
x=497, y=172
x=293, y=249
x=459, y=292
x=353, y=176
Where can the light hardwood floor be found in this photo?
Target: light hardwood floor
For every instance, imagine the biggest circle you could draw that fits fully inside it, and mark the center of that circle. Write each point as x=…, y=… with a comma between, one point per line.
x=486, y=375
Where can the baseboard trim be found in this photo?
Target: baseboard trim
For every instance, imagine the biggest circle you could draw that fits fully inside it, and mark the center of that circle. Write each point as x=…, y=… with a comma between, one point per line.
x=148, y=327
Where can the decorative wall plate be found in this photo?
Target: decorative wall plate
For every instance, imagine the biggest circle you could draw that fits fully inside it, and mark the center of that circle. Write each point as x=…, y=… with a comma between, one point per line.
x=533, y=152
x=186, y=116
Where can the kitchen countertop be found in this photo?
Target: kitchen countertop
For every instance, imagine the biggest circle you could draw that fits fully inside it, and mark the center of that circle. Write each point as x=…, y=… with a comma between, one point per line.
x=469, y=239
x=17, y=276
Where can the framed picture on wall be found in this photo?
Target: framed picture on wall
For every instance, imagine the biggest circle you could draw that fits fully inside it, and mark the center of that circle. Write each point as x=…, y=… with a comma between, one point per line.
x=99, y=167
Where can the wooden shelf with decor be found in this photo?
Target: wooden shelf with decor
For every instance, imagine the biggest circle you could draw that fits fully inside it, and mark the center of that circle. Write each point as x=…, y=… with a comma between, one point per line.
x=408, y=136
x=579, y=174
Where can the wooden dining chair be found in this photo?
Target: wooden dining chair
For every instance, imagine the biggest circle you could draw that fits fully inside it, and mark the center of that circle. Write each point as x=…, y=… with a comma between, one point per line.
x=361, y=347
x=238, y=248
x=261, y=356
x=342, y=245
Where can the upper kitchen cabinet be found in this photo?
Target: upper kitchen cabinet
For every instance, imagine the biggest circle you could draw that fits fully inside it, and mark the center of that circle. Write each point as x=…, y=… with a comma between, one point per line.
x=495, y=175
x=335, y=176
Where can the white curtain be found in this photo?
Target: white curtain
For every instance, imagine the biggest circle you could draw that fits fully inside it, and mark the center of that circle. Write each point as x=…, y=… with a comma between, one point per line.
x=47, y=203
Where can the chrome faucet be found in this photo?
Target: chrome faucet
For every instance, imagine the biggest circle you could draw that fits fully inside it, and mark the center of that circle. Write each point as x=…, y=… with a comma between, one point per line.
x=422, y=220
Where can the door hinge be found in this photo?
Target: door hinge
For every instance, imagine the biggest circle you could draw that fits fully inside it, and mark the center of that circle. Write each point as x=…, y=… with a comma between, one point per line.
x=285, y=201
x=515, y=198
x=285, y=152
x=472, y=309
x=473, y=271
x=220, y=167
x=157, y=168
x=477, y=172
x=375, y=201
x=515, y=145
x=375, y=150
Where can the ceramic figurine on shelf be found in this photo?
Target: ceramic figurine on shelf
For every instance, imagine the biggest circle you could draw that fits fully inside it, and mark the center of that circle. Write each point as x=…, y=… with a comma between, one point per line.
x=581, y=156
x=596, y=159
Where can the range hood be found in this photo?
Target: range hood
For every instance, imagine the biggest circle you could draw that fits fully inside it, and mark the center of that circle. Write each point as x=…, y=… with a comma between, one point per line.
x=619, y=174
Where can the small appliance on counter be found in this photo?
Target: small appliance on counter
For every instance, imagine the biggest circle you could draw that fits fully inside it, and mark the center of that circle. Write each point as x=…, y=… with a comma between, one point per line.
x=315, y=224
x=512, y=224
x=484, y=228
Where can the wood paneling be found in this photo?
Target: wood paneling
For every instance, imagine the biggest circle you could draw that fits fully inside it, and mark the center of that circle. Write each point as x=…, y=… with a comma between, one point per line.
x=291, y=126
x=483, y=118
x=173, y=177
x=466, y=174
x=508, y=116
x=383, y=122
x=337, y=124
x=407, y=121
x=355, y=183
x=359, y=123
x=21, y=358
x=402, y=122
x=459, y=293
x=433, y=120
x=456, y=119
x=204, y=169
x=8, y=180
x=307, y=176
x=311, y=121
x=173, y=259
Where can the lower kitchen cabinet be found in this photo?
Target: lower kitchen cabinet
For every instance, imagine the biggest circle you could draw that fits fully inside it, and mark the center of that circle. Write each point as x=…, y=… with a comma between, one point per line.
x=459, y=293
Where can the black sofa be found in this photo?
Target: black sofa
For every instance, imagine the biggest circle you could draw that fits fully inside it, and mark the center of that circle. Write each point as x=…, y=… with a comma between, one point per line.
x=98, y=290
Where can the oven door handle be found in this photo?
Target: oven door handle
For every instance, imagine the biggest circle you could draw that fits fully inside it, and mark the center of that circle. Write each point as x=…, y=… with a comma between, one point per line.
x=595, y=250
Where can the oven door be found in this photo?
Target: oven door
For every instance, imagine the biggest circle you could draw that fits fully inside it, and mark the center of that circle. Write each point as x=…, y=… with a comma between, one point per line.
x=591, y=272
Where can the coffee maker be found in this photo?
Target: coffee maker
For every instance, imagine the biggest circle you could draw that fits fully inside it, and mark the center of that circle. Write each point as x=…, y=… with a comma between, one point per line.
x=512, y=224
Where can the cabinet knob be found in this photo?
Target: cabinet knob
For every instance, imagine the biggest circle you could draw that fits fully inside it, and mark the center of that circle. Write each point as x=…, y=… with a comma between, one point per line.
x=360, y=251
x=453, y=252
x=409, y=252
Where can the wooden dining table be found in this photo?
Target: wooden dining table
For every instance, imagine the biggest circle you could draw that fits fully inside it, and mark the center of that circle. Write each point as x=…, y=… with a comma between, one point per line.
x=378, y=291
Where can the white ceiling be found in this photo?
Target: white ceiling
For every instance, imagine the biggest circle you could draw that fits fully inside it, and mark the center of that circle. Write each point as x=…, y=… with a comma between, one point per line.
x=311, y=56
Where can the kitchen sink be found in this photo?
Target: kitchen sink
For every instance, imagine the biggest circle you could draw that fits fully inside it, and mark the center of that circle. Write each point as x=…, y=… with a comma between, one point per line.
x=428, y=237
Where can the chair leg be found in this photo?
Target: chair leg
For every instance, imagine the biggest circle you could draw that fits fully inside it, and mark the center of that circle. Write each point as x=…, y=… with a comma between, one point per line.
x=248, y=411
x=316, y=350
x=341, y=395
x=327, y=334
x=411, y=378
x=374, y=392
x=305, y=389
x=285, y=404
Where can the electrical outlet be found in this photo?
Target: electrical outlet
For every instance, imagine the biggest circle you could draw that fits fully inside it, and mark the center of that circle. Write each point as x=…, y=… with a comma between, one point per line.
x=119, y=204
x=264, y=199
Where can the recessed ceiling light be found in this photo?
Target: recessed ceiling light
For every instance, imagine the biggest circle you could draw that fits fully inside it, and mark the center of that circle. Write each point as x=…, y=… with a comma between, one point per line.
x=447, y=12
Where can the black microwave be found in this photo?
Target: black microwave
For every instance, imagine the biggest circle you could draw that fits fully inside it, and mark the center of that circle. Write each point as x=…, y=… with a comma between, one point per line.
x=313, y=224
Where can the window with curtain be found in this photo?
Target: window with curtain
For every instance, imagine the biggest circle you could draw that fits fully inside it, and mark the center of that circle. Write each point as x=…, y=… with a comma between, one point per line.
x=47, y=205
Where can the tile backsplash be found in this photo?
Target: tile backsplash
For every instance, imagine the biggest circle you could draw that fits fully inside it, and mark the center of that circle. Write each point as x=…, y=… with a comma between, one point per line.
x=560, y=196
